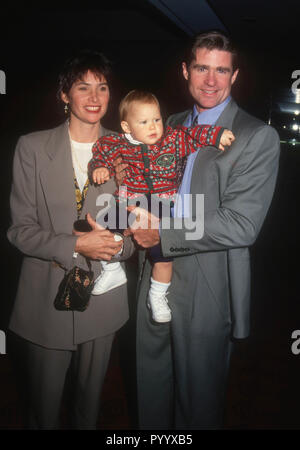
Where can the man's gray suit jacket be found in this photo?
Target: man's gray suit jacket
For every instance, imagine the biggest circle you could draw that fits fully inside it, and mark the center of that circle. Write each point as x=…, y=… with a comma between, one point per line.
x=238, y=186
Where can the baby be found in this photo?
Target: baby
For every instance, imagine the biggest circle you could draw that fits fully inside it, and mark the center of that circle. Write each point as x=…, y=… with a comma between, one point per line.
x=152, y=155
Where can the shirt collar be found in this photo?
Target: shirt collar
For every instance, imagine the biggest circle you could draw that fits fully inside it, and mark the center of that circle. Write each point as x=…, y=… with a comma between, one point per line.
x=131, y=140
x=210, y=116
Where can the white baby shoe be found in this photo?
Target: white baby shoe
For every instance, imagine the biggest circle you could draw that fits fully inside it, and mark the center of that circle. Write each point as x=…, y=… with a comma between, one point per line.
x=111, y=277
x=158, y=304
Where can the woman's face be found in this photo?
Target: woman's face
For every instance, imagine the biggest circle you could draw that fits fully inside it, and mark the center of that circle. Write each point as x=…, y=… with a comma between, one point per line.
x=87, y=99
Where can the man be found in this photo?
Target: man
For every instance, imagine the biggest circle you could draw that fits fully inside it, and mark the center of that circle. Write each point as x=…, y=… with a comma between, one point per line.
x=182, y=367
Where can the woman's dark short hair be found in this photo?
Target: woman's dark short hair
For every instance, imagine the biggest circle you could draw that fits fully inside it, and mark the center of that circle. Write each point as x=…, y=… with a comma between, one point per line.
x=77, y=66
x=212, y=40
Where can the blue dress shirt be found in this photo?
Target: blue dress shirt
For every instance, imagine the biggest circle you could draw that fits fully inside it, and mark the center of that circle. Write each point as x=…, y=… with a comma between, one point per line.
x=209, y=117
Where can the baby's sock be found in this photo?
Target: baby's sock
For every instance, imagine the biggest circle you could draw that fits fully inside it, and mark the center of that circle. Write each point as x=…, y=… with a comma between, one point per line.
x=157, y=287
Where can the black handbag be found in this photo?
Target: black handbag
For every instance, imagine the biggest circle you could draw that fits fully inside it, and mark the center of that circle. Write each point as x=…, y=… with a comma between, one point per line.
x=75, y=290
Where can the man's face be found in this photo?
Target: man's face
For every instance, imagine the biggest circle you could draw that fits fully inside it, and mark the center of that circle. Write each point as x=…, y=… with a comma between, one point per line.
x=210, y=77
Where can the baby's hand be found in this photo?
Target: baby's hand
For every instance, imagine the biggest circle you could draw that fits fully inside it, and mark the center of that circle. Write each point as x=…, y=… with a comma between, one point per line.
x=100, y=175
x=226, y=139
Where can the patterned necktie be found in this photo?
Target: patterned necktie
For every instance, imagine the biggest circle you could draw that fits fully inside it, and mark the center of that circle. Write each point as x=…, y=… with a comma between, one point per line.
x=195, y=121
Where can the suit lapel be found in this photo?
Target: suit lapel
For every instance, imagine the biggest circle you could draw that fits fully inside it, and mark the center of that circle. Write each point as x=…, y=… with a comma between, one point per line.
x=57, y=179
x=178, y=119
x=226, y=119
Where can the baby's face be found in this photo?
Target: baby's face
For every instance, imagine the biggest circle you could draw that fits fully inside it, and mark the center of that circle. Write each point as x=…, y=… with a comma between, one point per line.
x=144, y=122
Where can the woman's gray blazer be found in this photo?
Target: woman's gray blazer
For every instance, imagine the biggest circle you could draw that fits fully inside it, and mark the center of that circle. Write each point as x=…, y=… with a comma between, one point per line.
x=43, y=209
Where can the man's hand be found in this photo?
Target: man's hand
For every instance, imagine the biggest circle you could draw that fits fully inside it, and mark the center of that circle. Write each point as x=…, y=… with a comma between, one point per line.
x=145, y=229
x=98, y=243
x=120, y=170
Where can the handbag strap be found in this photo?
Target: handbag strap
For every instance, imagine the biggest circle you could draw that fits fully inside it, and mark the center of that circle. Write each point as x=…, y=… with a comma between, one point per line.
x=89, y=264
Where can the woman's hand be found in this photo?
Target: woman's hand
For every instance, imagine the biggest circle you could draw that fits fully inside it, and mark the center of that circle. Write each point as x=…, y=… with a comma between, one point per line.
x=98, y=243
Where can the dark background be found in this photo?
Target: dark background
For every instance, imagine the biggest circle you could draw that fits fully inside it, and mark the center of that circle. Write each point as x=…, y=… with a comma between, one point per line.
x=146, y=50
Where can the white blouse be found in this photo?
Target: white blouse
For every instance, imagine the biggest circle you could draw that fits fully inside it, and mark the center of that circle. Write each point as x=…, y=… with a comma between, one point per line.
x=81, y=155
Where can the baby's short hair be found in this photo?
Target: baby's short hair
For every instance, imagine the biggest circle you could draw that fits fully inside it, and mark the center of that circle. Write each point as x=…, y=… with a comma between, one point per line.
x=135, y=96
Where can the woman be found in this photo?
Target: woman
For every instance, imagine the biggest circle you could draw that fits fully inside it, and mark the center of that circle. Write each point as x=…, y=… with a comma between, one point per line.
x=50, y=191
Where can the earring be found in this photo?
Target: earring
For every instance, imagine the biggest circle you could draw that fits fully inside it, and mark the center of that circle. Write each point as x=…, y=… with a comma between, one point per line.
x=66, y=108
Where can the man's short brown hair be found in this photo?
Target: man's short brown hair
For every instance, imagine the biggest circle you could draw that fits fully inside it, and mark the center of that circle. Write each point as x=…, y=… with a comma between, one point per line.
x=212, y=40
